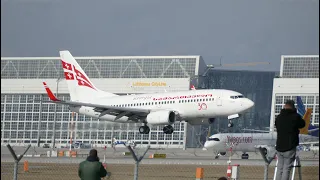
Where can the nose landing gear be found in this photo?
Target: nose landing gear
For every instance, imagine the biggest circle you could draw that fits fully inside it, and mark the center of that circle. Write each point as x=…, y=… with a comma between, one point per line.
x=230, y=124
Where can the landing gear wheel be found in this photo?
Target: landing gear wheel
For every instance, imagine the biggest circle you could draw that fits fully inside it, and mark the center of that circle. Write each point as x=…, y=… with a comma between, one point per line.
x=265, y=151
x=144, y=129
x=168, y=129
x=230, y=124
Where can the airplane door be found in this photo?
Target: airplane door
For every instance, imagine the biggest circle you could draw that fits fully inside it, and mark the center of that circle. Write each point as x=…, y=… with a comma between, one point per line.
x=219, y=100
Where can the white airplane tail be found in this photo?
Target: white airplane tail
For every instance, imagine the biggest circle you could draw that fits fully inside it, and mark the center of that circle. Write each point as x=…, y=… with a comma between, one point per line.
x=79, y=85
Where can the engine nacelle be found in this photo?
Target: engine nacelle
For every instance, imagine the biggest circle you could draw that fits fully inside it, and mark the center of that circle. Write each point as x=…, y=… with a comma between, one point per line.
x=161, y=118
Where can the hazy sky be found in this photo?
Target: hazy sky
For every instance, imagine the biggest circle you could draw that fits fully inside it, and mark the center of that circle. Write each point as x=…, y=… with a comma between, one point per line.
x=238, y=30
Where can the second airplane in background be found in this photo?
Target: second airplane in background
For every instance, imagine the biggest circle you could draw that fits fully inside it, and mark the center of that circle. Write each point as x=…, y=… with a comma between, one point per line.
x=151, y=109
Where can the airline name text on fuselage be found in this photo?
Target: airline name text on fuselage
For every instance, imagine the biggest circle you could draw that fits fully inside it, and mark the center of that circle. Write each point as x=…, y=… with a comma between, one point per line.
x=237, y=140
x=172, y=97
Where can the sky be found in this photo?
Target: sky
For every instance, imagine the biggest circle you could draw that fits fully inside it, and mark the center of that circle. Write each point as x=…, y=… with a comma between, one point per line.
x=238, y=31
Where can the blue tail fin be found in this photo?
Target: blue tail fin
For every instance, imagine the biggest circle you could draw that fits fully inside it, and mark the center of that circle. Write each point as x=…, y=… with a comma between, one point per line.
x=306, y=115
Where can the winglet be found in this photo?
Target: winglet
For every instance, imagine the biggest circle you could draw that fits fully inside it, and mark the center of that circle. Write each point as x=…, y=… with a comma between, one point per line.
x=49, y=92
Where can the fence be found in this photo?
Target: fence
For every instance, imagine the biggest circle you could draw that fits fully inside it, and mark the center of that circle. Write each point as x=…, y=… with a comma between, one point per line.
x=40, y=171
x=122, y=166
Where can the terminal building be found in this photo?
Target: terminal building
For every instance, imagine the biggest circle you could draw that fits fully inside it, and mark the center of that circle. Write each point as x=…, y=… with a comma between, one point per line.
x=299, y=76
x=24, y=120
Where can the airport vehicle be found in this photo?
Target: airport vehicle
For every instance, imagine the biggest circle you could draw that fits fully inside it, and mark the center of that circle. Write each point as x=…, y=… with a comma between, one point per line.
x=150, y=109
x=249, y=142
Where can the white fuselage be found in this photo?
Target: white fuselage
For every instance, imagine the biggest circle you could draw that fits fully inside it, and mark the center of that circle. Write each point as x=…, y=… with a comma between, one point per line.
x=191, y=105
x=246, y=142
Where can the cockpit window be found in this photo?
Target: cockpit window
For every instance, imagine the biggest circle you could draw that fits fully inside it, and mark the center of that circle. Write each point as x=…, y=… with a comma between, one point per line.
x=236, y=97
x=214, y=139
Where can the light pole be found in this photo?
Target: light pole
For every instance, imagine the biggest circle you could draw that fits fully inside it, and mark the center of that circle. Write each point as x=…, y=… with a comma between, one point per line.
x=55, y=116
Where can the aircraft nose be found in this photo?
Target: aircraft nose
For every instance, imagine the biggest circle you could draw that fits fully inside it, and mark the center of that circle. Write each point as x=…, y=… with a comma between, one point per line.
x=250, y=103
x=205, y=145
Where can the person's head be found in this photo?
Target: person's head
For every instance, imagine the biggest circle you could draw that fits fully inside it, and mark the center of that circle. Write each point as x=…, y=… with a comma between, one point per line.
x=222, y=178
x=289, y=104
x=93, y=153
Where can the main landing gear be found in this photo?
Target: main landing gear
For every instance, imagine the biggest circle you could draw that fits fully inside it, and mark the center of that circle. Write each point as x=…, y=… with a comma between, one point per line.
x=168, y=129
x=145, y=129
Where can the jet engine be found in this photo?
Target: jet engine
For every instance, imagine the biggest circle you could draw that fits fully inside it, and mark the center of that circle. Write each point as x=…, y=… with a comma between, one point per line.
x=161, y=117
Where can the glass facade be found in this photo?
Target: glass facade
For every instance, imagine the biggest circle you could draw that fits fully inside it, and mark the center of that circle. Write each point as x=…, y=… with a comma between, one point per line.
x=300, y=67
x=309, y=100
x=99, y=67
x=256, y=85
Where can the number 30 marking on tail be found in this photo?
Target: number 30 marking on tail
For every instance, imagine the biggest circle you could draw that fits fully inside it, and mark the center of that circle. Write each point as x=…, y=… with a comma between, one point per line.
x=202, y=106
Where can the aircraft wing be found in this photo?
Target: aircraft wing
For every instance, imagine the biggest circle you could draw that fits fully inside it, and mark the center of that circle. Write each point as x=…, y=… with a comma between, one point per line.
x=133, y=113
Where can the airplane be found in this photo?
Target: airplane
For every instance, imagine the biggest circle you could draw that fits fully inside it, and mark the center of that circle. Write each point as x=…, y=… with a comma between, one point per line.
x=249, y=142
x=150, y=109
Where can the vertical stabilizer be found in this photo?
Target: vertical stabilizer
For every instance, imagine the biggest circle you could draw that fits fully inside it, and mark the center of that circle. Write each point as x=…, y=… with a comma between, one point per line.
x=305, y=114
x=80, y=86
